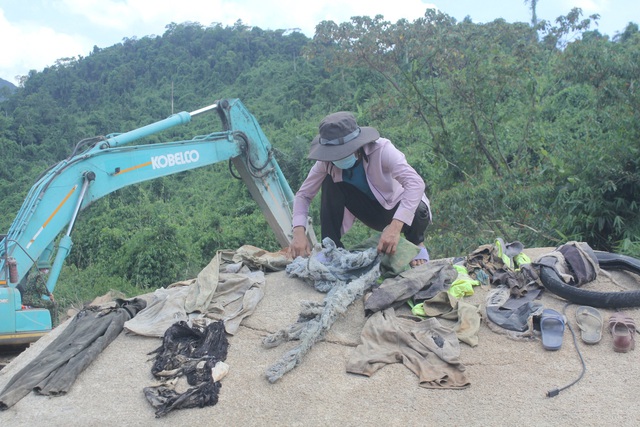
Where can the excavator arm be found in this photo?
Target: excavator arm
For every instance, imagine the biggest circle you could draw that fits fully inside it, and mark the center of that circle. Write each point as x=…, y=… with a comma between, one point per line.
x=53, y=204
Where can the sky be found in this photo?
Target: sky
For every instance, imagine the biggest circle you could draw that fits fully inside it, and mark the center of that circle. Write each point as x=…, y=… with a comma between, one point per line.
x=36, y=33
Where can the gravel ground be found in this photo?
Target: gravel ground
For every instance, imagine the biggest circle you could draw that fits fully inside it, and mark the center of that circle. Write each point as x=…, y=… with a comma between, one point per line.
x=509, y=378
x=10, y=352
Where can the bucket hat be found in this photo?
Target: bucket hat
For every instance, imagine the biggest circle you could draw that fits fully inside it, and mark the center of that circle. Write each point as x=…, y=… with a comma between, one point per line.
x=339, y=135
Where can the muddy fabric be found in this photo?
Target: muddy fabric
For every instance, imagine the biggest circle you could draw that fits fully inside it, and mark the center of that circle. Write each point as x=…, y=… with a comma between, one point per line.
x=165, y=398
x=581, y=262
x=513, y=319
x=486, y=258
x=574, y=262
x=446, y=306
x=214, y=294
x=429, y=349
x=217, y=294
x=442, y=304
x=314, y=322
x=201, y=291
x=441, y=282
x=331, y=266
x=528, y=335
x=391, y=265
x=257, y=258
x=192, y=352
x=397, y=290
x=511, y=313
x=468, y=324
x=55, y=370
x=520, y=282
x=237, y=297
x=555, y=260
x=165, y=308
x=485, y=261
x=463, y=285
x=345, y=277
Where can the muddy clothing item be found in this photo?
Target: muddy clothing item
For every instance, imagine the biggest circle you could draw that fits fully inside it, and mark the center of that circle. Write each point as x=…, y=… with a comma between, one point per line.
x=520, y=282
x=582, y=262
x=183, y=346
x=485, y=259
x=165, y=398
x=255, y=259
x=513, y=314
x=419, y=283
x=468, y=324
x=391, y=264
x=190, y=352
x=332, y=266
x=345, y=276
x=446, y=306
x=214, y=294
x=429, y=349
x=55, y=370
x=575, y=263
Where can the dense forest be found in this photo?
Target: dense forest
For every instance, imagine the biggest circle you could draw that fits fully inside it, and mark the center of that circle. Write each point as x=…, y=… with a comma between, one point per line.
x=526, y=132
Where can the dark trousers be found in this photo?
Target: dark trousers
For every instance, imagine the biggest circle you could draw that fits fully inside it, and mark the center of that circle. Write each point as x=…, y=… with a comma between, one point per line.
x=337, y=196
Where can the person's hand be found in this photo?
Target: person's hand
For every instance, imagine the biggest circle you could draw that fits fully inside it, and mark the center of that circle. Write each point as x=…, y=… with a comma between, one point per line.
x=390, y=237
x=299, y=245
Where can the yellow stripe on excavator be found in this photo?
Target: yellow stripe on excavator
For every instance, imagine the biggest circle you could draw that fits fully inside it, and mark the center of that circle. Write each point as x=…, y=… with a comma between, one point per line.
x=52, y=215
x=132, y=168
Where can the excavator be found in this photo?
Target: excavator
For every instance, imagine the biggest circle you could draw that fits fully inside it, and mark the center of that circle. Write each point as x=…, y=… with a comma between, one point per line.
x=99, y=166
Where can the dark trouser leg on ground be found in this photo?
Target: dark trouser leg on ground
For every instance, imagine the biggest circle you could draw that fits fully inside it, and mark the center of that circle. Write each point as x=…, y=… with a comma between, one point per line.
x=338, y=196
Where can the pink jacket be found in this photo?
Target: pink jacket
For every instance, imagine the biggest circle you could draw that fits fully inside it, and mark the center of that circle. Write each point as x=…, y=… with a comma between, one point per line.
x=390, y=177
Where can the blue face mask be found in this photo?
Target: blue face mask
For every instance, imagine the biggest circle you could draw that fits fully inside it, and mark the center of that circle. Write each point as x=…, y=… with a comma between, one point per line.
x=346, y=163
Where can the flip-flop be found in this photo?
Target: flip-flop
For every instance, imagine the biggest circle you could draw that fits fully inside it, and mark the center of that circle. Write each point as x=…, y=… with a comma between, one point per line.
x=623, y=329
x=590, y=323
x=552, y=329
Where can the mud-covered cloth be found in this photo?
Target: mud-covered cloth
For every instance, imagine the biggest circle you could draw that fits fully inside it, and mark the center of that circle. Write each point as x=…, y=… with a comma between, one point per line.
x=188, y=353
x=391, y=264
x=420, y=283
x=331, y=266
x=575, y=263
x=216, y=293
x=519, y=282
x=257, y=258
x=429, y=349
x=346, y=276
x=486, y=259
x=55, y=370
x=444, y=305
x=513, y=314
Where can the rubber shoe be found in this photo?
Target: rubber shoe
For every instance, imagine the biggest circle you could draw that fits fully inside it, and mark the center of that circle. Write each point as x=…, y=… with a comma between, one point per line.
x=521, y=259
x=500, y=249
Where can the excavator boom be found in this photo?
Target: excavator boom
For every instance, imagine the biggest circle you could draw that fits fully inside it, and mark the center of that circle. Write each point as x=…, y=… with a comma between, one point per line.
x=53, y=204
